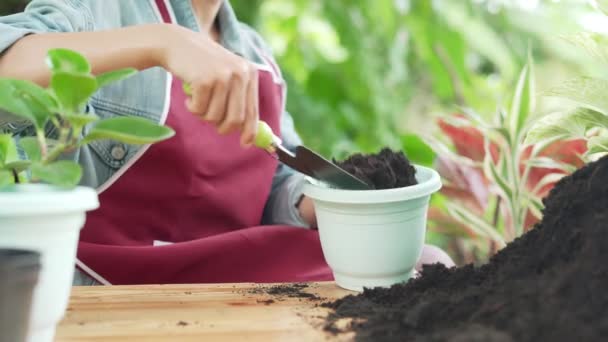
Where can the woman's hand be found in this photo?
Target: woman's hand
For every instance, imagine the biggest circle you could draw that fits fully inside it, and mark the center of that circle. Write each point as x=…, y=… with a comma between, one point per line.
x=224, y=86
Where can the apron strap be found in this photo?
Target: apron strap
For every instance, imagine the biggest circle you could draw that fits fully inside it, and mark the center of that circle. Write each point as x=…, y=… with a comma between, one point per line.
x=164, y=10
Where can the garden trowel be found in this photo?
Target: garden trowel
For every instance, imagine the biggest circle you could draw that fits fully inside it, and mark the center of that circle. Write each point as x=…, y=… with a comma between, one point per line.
x=307, y=162
x=303, y=160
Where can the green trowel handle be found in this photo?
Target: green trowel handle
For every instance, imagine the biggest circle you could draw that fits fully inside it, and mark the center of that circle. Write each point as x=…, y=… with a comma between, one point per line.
x=265, y=137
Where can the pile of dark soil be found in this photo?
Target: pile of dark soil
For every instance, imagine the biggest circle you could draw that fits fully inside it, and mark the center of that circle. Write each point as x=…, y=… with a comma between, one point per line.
x=385, y=170
x=549, y=285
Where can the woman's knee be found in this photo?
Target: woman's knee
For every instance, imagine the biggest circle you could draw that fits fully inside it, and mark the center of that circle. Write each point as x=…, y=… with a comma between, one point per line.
x=434, y=255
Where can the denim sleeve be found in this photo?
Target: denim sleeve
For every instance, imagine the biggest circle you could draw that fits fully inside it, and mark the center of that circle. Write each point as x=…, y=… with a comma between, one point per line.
x=41, y=16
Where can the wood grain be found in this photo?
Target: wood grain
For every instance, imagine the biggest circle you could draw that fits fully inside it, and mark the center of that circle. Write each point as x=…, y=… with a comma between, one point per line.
x=227, y=312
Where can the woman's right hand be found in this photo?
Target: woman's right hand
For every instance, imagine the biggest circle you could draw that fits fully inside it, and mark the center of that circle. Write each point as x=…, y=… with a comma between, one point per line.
x=224, y=86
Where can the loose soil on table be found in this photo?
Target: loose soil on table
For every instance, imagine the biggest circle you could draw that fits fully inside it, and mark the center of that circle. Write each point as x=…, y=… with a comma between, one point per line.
x=385, y=170
x=285, y=291
x=549, y=285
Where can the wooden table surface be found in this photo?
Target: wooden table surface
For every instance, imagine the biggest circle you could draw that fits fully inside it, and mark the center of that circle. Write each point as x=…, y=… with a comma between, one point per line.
x=227, y=312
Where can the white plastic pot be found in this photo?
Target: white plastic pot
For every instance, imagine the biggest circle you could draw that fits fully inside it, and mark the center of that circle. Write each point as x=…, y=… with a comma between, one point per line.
x=47, y=220
x=373, y=238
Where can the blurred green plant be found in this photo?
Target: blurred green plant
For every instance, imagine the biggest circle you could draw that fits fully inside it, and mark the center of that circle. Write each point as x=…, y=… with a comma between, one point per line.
x=494, y=182
x=364, y=75
x=589, y=120
x=348, y=74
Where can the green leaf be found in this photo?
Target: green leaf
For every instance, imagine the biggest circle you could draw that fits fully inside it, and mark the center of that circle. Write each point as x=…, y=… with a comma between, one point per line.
x=8, y=149
x=417, y=151
x=565, y=124
x=442, y=149
x=550, y=163
x=27, y=100
x=5, y=140
x=598, y=144
x=522, y=105
x=540, y=146
x=80, y=120
x=593, y=43
x=114, y=76
x=535, y=207
x=491, y=172
x=586, y=91
x=130, y=130
x=478, y=122
x=602, y=5
x=63, y=173
x=6, y=178
x=479, y=35
x=474, y=222
x=73, y=90
x=546, y=180
x=64, y=60
x=31, y=147
x=18, y=166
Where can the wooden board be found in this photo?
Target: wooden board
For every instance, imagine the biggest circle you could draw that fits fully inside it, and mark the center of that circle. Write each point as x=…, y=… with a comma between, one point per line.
x=195, y=313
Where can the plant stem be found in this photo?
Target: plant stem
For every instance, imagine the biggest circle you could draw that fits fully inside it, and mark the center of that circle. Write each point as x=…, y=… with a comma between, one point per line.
x=76, y=135
x=62, y=145
x=495, y=216
x=42, y=143
x=452, y=74
x=55, y=153
x=15, y=176
x=496, y=211
x=63, y=135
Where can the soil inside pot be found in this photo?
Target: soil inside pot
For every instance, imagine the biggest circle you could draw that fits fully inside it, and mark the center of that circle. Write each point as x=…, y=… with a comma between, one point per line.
x=384, y=170
x=549, y=285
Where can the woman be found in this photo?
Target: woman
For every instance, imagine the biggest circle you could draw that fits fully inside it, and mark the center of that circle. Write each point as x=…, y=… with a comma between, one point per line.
x=202, y=206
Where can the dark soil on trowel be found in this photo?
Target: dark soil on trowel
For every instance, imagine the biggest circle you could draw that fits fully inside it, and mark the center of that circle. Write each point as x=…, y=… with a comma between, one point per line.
x=384, y=170
x=549, y=285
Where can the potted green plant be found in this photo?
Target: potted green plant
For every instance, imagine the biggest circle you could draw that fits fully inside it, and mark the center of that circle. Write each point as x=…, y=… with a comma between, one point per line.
x=42, y=207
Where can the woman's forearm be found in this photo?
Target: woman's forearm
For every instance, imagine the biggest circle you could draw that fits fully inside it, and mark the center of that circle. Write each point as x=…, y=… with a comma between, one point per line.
x=224, y=86
x=138, y=47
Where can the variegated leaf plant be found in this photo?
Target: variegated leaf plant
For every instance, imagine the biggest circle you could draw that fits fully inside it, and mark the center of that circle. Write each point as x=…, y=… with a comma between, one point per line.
x=494, y=182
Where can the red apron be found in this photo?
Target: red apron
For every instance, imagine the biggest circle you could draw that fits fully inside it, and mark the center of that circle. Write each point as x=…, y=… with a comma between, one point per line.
x=189, y=210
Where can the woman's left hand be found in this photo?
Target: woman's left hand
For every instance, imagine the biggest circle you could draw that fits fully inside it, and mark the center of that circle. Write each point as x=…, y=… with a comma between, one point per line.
x=307, y=212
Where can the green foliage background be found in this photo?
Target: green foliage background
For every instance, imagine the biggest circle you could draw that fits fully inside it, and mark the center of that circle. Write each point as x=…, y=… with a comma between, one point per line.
x=367, y=74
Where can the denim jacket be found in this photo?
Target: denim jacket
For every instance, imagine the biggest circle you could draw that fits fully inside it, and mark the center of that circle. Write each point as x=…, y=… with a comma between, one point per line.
x=143, y=94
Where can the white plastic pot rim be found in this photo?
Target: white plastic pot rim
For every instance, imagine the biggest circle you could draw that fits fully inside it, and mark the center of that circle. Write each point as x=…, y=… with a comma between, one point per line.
x=428, y=183
x=40, y=199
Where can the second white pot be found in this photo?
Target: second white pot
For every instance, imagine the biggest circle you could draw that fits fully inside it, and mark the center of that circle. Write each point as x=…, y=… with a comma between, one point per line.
x=47, y=220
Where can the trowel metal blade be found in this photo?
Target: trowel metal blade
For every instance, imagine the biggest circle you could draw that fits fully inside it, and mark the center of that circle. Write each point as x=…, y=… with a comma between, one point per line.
x=312, y=164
